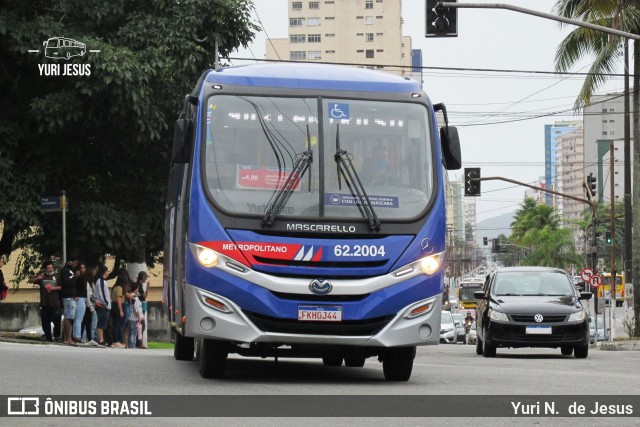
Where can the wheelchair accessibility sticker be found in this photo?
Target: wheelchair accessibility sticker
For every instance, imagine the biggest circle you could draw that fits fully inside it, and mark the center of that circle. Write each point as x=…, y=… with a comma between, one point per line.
x=339, y=111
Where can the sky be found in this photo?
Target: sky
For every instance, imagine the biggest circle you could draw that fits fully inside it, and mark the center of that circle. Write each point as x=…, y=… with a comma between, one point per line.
x=487, y=39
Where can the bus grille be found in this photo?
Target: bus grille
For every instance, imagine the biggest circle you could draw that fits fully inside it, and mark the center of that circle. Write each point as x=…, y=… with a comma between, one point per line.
x=351, y=328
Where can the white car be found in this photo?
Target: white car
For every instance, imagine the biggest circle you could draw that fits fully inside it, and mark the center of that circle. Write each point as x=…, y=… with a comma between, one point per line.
x=448, y=332
x=473, y=335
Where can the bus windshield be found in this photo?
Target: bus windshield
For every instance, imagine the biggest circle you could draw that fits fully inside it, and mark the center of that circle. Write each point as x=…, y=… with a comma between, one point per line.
x=253, y=144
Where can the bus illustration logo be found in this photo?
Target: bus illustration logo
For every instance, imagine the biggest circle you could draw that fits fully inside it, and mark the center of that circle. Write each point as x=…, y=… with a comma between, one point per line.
x=62, y=47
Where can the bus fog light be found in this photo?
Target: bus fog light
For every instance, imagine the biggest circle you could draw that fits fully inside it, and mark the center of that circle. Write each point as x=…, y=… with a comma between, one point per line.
x=207, y=324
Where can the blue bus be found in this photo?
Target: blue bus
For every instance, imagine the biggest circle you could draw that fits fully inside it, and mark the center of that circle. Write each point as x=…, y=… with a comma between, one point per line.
x=305, y=217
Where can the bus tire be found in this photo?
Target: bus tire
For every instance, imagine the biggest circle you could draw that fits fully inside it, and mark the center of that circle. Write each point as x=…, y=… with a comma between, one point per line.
x=212, y=358
x=354, y=361
x=479, y=350
x=183, y=348
x=397, y=363
x=332, y=361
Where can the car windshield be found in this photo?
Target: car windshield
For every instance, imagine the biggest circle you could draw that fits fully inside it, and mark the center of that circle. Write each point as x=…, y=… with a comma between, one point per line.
x=446, y=317
x=533, y=283
x=458, y=318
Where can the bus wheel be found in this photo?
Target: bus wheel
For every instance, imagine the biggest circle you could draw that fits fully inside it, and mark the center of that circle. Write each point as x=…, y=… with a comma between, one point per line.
x=332, y=361
x=478, y=346
x=183, y=349
x=397, y=363
x=212, y=358
x=354, y=361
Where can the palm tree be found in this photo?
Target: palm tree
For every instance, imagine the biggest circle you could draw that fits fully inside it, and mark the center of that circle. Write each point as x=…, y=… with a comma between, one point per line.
x=623, y=15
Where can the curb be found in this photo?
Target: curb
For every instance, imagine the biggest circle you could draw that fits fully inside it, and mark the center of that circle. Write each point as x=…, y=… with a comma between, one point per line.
x=631, y=345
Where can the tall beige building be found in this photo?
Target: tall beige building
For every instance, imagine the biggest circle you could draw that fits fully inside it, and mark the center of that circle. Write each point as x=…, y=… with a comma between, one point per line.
x=363, y=32
x=570, y=176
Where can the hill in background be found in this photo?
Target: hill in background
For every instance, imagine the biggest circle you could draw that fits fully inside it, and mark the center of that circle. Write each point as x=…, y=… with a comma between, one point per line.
x=492, y=227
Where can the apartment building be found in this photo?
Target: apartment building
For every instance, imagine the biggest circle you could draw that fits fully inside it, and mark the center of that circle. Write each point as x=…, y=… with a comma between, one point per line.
x=363, y=32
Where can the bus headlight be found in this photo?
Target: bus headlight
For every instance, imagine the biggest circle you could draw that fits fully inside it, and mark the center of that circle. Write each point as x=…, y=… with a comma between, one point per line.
x=430, y=264
x=206, y=257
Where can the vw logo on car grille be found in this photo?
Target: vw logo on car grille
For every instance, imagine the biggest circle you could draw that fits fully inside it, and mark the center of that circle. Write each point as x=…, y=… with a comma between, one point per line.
x=538, y=318
x=320, y=286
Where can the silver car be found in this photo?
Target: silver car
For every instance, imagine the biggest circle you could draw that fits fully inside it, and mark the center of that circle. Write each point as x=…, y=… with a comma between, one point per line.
x=473, y=336
x=458, y=320
x=448, y=332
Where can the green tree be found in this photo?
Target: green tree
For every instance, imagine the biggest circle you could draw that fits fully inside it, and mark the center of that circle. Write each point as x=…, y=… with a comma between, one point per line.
x=104, y=138
x=606, y=53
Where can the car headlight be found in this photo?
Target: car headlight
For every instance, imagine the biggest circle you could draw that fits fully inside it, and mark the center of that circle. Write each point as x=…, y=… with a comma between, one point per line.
x=498, y=315
x=578, y=316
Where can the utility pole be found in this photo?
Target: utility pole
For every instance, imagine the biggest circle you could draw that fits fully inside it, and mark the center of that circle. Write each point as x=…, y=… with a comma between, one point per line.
x=612, y=281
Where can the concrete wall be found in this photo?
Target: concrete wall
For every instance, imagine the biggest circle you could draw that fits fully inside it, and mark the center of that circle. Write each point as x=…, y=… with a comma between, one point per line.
x=17, y=316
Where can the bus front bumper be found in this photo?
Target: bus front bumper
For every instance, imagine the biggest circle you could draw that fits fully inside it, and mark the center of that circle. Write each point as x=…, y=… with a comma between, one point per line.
x=228, y=322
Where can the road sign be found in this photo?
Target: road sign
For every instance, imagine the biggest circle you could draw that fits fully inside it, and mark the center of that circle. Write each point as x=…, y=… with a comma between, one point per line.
x=50, y=203
x=596, y=281
x=586, y=274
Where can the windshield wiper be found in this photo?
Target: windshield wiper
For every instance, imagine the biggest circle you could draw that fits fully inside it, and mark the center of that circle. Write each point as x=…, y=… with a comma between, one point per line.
x=282, y=195
x=351, y=178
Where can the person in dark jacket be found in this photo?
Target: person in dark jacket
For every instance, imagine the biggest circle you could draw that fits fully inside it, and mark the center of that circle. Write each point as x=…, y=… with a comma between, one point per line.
x=68, y=279
x=49, y=284
x=3, y=285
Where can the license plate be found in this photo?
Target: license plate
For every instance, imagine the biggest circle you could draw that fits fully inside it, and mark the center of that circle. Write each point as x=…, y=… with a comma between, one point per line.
x=320, y=313
x=538, y=330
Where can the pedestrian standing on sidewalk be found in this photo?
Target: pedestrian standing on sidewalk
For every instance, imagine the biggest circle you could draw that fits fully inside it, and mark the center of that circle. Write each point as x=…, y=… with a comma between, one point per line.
x=49, y=284
x=81, y=301
x=68, y=279
x=118, y=316
x=135, y=317
x=143, y=293
x=90, y=319
x=4, y=289
x=102, y=302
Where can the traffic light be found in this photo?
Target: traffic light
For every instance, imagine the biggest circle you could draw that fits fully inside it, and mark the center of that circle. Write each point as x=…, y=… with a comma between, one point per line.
x=591, y=184
x=471, y=185
x=441, y=21
x=495, y=245
x=485, y=241
x=607, y=237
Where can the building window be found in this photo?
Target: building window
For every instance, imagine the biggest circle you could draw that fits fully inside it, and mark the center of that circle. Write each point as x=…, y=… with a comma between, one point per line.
x=314, y=38
x=314, y=5
x=329, y=51
x=368, y=4
x=296, y=5
x=298, y=55
x=296, y=22
x=380, y=35
x=604, y=121
x=604, y=110
x=360, y=50
x=329, y=2
x=329, y=18
x=611, y=121
x=379, y=17
x=297, y=38
x=314, y=54
x=313, y=22
x=604, y=132
x=359, y=34
x=359, y=17
x=369, y=53
x=382, y=50
x=368, y=20
x=611, y=110
x=612, y=133
x=369, y=37
x=330, y=35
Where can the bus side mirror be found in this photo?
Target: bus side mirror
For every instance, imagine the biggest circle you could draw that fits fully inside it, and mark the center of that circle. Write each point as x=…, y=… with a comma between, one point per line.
x=479, y=295
x=183, y=132
x=182, y=137
x=450, y=147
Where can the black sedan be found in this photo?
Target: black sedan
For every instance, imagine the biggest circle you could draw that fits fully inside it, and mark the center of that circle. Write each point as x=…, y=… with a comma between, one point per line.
x=532, y=307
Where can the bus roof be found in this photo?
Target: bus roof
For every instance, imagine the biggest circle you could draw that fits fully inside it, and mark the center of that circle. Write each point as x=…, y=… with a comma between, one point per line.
x=313, y=76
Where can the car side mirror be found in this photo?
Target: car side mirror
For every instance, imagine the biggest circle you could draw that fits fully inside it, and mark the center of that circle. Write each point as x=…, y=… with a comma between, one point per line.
x=586, y=295
x=479, y=295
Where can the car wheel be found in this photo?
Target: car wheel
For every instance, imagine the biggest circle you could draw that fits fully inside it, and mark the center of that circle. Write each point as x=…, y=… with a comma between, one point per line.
x=566, y=350
x=332, y=361
x=581, y=351
x=478, y=346
x=488, y=350
x=183, y=348
x=354, y=361
x=212, y=358
x=397, y=363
